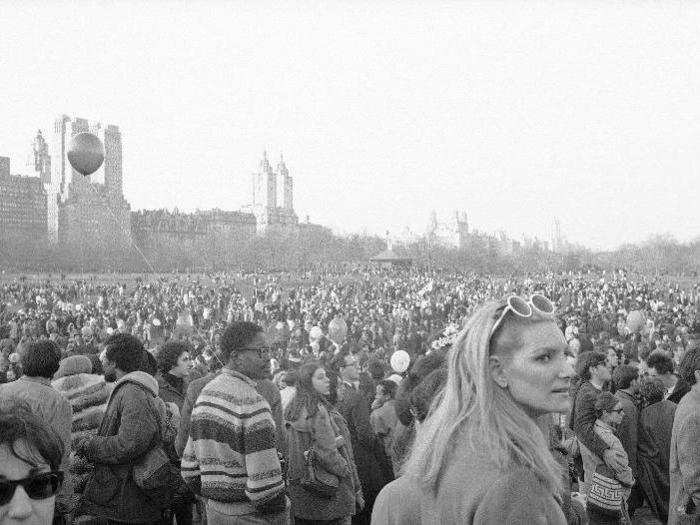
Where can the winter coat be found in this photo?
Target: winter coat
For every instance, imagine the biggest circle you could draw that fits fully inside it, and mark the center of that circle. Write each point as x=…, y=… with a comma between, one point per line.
x=318, y=433
x=583, y=417
x=191, y=395
x=171, y=394
x=128, y=430
x=655, y=426
x=87, y=394
x=684, y=463
x=373, y=465
x=627, y=431
x=472, y=489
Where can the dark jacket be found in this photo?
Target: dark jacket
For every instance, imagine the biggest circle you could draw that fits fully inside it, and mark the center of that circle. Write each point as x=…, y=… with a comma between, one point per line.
x=128, y=430
x=583, y=416
x=318, y=433
x=627, y=431
x=373, y=466
x=171, y=393
x=655, y=427
x=191, y=395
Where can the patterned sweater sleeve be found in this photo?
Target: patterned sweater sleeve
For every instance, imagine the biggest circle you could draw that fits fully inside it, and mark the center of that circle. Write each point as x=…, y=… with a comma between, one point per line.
x=189, y=468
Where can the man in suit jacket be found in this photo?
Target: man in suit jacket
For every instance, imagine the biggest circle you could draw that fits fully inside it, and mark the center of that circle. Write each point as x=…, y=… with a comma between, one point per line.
x=372, y=465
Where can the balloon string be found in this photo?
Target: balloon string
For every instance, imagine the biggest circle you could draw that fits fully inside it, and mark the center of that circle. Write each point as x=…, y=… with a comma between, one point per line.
x=116, y=220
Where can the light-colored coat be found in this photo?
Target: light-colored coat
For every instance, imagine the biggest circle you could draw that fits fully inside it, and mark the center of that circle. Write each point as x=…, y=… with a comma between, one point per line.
x=473, y=490
x=684, y=463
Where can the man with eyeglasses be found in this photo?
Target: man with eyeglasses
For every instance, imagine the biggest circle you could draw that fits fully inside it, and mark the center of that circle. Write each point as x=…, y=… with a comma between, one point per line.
x=231, y=457
x=373, y=466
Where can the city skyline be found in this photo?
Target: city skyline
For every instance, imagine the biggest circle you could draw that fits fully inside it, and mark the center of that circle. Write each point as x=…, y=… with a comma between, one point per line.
x=584, y=112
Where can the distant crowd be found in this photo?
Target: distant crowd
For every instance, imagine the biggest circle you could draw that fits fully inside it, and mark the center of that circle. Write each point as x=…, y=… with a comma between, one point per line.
x=372, y=395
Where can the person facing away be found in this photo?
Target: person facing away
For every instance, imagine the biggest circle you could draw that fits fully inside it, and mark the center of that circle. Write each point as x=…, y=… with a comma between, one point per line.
x=40, y=361
x=479, y=456
x=655, y=427
x=231, y=458
x=684, y=462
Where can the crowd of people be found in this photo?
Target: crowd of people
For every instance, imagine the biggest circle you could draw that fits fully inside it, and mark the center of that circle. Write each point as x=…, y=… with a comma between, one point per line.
x=350, y=396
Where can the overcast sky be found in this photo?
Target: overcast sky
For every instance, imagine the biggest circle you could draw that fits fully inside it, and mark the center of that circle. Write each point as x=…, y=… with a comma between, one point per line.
x=515, y=112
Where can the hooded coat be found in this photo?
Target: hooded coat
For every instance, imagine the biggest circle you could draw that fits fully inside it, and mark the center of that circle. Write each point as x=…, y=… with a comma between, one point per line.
x=129, y=428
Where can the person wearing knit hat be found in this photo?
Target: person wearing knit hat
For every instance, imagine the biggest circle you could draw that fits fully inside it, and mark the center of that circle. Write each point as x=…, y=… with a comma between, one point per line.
x=77, y=364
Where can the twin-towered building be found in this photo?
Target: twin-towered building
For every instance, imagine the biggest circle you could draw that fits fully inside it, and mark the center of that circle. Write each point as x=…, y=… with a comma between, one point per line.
x=273, y=198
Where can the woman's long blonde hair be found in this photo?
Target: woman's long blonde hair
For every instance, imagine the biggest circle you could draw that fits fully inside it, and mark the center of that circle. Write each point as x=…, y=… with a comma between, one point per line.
x=471, y=410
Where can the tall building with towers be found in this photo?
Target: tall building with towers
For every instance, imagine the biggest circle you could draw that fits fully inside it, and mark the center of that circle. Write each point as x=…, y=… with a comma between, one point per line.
x=453, y=233
x=87, y=210
x=273, y=204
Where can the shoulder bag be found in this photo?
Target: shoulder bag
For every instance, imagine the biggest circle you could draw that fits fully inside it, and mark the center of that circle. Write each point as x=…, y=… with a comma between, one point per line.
x=605, y=493
x=154, y=474
x=315, y=479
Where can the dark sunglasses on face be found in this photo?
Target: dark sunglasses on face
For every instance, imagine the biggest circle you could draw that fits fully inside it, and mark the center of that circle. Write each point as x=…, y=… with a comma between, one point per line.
x=39, y=486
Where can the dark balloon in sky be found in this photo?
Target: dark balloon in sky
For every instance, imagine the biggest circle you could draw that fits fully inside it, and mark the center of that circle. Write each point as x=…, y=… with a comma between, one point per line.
x=86, y=153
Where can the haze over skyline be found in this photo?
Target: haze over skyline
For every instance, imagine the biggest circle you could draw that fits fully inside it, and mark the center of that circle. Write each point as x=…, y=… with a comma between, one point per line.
x=515, y=112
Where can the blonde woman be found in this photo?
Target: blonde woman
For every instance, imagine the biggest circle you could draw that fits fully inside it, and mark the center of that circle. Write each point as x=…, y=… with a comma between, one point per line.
x=480, y=457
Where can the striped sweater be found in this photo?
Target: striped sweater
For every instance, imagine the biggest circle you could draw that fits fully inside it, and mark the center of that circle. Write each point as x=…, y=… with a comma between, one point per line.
x=230, y=455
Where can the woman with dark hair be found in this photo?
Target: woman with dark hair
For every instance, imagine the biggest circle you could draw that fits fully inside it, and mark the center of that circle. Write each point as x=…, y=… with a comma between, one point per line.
x=174, y=361
x=30, y=458
x=314, y=426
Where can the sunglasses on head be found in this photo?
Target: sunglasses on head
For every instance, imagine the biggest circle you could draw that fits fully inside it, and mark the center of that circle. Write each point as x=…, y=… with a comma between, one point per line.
x=39, y=486
x=522, y=308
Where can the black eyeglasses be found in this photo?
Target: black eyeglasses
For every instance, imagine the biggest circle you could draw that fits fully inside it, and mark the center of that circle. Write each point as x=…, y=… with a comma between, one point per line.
x=39, y=486
x=262, y=351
